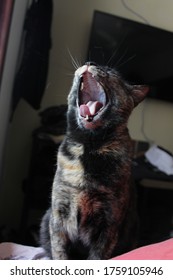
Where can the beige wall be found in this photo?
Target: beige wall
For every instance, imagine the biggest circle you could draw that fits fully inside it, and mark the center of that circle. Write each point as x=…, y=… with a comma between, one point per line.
x=71, y=27
x=70, y=30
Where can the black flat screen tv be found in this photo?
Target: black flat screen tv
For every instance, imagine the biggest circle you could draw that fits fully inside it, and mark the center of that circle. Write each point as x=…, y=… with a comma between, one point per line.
x=141, y=53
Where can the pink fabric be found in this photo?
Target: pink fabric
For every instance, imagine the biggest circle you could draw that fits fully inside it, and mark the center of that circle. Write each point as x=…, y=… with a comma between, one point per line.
x=158, y=251
x=12, y=251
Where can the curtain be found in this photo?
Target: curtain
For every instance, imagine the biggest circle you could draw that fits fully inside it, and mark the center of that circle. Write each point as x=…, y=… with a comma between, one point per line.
x=6, y=7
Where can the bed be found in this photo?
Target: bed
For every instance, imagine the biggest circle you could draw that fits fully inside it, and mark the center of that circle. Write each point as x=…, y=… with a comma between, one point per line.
x=158, y=251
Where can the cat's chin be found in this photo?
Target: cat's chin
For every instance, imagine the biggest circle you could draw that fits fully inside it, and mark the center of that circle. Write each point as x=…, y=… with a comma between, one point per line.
x=90, y=122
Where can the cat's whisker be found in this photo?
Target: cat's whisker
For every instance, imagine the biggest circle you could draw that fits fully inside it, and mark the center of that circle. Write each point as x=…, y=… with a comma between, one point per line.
x=112, y=56
x=117, y=49
x=78, y=64
x=74, y=62
x=127, y=60
x=121, y=57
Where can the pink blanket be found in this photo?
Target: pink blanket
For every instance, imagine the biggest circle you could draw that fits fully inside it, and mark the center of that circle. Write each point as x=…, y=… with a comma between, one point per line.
x=158, y=251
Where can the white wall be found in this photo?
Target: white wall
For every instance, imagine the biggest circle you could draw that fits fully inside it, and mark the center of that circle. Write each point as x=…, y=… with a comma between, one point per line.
x=70, y=29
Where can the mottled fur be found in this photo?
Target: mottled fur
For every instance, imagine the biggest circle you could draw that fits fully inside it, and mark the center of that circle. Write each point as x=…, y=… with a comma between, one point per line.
x=93, y=214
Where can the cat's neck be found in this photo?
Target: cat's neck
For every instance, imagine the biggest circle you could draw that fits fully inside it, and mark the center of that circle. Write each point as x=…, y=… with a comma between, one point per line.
x=93, y=141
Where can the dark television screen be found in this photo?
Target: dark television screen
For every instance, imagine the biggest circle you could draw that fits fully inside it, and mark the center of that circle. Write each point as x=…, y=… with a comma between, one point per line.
x=141, y=53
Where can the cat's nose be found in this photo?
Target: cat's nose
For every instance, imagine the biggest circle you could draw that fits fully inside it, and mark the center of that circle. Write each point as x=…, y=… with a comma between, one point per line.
x=90, y=63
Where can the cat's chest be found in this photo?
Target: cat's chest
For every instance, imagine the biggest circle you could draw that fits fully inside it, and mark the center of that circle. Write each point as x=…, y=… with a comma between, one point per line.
x=100, y=205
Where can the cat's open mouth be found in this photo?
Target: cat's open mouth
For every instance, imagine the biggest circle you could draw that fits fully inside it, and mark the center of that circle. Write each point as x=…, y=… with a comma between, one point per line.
x=91, y=97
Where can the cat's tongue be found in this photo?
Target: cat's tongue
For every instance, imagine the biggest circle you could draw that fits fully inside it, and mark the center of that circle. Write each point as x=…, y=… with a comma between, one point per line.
x=90, y=109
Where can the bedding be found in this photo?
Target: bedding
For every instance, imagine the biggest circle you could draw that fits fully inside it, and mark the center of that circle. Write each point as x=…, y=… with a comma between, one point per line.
x=13, y=251
x=157, y=251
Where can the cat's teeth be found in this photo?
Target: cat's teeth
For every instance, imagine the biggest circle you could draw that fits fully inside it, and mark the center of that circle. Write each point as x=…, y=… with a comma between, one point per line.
x=82, y=86
x=87, y=117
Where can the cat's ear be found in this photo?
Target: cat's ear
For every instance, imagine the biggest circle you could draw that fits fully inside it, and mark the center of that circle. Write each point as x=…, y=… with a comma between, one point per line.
x=138, y=93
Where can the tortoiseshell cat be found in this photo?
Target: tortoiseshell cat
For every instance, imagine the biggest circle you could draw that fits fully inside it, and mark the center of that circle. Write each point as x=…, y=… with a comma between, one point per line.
x=92, y=214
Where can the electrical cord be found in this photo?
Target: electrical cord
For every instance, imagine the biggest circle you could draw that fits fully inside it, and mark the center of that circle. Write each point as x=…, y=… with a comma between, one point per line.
x=135, y=13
